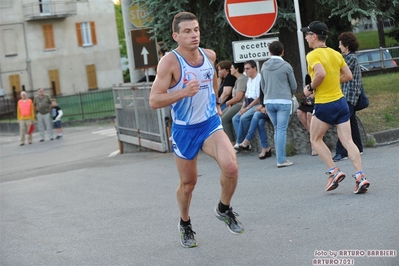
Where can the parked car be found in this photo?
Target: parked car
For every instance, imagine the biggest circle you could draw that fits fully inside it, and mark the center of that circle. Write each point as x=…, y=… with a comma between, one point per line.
x=372, y=59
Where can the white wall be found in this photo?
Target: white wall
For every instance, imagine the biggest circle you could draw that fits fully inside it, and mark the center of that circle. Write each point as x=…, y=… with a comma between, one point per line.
x=67, y=57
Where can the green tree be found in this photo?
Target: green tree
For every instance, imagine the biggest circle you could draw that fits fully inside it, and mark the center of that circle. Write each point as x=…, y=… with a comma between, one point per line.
x=394, y=33
x=121, y=32
x=366, y=9
x=217, y=34
x=215, y=31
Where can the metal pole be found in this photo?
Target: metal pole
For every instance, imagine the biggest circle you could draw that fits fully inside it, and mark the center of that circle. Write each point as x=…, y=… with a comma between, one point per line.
x=301, y=43
x=134, y=74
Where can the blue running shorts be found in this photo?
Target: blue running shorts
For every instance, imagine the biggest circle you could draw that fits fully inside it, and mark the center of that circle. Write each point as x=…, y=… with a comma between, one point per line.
x=333, y=113
x=187, y=140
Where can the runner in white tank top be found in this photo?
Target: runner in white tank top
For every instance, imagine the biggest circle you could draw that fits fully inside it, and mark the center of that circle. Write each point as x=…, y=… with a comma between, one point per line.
x=201, y=106
x=186, y=81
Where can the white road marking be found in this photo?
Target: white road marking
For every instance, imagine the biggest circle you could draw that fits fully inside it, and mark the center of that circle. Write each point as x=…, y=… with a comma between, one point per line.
x=112, y=154
x=106, y=132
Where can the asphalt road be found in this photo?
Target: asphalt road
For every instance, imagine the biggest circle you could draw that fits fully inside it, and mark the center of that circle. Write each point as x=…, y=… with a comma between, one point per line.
x=75, y=201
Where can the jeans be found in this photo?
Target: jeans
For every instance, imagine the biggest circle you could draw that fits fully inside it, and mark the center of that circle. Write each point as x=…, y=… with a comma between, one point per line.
x=258, y=122
x=223, y=106
x=355, y=134
x=279, y=115
x=241, y=124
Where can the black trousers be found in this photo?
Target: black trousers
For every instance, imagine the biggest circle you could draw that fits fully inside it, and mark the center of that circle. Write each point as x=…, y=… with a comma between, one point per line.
x=355, y=134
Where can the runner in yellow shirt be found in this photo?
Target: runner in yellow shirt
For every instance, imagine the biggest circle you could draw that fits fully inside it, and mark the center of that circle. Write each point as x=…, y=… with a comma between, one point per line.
x=328, y=70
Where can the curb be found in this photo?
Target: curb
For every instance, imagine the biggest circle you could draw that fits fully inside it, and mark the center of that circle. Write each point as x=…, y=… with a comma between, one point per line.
x=9, y=128
x=385, y=137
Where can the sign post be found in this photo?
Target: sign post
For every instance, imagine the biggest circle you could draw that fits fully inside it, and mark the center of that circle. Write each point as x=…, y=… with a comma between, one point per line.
x=144, y=49
x=251, y=18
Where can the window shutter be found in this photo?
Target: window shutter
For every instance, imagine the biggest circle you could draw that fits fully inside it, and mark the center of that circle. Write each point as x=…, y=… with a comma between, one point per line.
x=93, y=33
x=79, y=34
x=48, y=35
x=91, y=77
x=51, y=37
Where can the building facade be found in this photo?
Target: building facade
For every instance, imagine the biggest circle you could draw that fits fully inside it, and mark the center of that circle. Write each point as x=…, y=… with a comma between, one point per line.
x=63, y=46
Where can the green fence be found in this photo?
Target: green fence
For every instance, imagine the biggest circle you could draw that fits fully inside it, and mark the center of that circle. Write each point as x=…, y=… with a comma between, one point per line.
x=86, y=105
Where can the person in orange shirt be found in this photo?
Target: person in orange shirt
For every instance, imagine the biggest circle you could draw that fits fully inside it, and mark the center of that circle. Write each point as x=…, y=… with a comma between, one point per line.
x=26, y=117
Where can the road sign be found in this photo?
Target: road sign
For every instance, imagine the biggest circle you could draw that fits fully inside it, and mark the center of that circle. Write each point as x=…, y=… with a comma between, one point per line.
x=138, y=15
x=251, y=18
x=257, y=49
x=144, y=49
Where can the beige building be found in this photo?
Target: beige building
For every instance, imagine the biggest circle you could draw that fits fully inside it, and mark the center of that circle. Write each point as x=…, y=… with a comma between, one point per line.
x=64, y=46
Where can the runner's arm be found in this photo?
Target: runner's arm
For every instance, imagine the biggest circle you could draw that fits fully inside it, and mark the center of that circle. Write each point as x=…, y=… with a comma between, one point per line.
x=159, y=97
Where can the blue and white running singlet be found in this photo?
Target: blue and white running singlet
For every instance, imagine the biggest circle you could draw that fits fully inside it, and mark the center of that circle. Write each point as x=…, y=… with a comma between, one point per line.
x=200, y=107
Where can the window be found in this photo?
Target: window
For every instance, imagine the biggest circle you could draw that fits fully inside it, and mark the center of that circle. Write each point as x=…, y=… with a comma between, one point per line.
x=10, y=49
x=48, y=35
x=45, y=6
x=91, y=77
x=54, y=82
x=86, y=33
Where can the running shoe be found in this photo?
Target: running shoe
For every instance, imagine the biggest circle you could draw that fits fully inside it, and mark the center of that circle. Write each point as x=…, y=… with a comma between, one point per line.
x=334, y=178
x=361, y=184
x=187, y=239
x=230, y=218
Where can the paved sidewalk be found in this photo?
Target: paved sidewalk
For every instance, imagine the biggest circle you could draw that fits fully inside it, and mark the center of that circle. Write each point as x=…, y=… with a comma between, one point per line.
x=74, y=202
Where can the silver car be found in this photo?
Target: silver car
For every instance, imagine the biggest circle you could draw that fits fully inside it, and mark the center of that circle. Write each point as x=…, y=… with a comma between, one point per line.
x=373, y=59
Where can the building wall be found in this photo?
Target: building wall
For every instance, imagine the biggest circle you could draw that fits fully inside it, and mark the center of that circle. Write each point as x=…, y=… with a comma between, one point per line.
x=32, y=61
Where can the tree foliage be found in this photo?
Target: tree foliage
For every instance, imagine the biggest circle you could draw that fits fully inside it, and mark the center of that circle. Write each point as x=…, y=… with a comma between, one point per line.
x=217, y=34
x=215, y=31
x=368, y=9
x=121, y=32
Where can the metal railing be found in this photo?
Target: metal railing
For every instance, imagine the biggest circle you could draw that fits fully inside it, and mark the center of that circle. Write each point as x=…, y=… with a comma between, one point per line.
x=386, y=57
x=7, y=107
x=86, y=105
x=49, y=9
x=137, y=123
x=80, y=106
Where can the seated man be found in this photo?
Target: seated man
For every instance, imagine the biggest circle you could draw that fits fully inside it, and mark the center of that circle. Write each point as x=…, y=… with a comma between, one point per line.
x=242, y=119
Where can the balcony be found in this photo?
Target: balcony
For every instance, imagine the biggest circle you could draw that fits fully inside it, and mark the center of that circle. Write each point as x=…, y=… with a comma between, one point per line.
x=47, y=9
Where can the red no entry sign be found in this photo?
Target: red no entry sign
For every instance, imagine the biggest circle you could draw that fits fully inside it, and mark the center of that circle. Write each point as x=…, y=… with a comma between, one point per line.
x=251, y=18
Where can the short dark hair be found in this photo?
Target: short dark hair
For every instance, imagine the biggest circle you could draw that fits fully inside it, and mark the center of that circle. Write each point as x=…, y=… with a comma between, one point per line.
x=252, y=63
x=182, y=16
x=348, y=39
x=224, y=65
x=276, y=48
x=239, y=67
x=322, y=38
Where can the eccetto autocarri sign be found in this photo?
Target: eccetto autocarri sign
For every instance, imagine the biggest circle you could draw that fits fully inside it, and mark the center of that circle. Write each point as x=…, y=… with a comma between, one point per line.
x=257, y=49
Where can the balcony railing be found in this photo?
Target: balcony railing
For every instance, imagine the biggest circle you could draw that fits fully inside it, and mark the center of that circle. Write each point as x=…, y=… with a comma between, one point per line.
x=49, y=10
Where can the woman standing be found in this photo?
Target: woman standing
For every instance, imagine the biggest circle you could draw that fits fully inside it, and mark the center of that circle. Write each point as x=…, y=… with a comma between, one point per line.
x=351, y=89
x=278, y=84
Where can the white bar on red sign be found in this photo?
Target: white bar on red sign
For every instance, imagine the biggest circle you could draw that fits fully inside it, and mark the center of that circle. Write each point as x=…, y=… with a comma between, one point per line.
x=251, y=8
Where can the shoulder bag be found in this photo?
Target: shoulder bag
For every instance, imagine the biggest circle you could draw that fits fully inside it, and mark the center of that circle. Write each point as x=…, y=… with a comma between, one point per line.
x=362, y=102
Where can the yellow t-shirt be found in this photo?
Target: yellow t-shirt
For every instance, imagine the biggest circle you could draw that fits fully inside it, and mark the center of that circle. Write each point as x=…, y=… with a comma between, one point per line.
x=330, y=89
